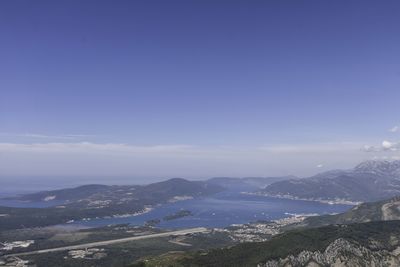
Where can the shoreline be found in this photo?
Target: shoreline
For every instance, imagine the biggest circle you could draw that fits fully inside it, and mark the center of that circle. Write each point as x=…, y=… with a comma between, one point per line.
x=324, y=201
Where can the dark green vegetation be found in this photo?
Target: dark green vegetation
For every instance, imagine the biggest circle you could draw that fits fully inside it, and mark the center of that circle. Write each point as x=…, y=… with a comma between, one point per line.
x=292, y=243
x=177, y=215
x=369, y=181
x=100, y=201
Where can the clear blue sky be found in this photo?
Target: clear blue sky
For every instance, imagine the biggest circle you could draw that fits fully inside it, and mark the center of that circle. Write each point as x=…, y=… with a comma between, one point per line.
x=208, y=74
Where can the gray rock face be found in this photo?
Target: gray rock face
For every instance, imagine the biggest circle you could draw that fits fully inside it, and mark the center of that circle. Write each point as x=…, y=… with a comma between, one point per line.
x=340, y=253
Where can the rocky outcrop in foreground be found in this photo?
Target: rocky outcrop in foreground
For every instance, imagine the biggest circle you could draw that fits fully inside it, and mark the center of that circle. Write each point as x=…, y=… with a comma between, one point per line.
x=340, y=253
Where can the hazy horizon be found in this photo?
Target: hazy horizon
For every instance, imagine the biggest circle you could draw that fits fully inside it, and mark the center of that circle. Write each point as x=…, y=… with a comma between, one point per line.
x=13, y=184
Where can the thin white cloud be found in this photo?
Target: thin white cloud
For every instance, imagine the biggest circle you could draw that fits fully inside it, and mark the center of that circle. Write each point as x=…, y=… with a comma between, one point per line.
x=312, y=148
x=45, y=136
x=87, y=147
x=368, y=148
x=395, y=129
x=387, y=145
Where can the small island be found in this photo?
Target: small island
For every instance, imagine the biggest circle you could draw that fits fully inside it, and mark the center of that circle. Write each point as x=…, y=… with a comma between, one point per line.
x=152, y=223
x=177, y=215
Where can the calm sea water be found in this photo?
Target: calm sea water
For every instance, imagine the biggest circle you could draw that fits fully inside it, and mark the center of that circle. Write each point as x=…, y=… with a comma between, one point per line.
x=223, y=210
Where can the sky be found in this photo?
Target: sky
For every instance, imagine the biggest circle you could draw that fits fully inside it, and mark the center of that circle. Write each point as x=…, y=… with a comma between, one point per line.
x=197, y=89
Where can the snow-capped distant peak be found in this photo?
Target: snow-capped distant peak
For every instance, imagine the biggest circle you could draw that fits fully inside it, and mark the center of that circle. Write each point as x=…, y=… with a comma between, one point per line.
x=380, y=167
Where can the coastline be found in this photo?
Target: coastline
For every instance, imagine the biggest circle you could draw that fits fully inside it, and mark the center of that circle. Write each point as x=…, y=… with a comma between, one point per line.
x=324, y=201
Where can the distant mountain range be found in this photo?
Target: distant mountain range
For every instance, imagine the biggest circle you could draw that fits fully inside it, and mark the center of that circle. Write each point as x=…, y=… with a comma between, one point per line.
x=126, y=193
x=368, y=181
x=256, y=182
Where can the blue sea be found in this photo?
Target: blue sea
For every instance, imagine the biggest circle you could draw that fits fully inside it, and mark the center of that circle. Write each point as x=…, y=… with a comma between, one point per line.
x=220, y=210
x=223, y=210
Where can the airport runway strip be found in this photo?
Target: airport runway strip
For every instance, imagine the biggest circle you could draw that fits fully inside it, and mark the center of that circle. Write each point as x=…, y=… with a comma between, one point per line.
x=114, y=241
